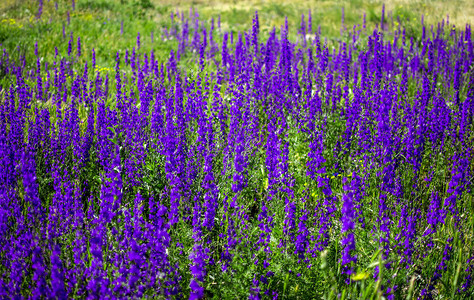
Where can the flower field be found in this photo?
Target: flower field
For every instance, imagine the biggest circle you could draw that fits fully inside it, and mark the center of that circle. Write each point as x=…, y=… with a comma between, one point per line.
x=197, y=161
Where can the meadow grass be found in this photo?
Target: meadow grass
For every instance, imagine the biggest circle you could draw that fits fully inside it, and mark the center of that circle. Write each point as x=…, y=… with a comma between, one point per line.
x=98, y=23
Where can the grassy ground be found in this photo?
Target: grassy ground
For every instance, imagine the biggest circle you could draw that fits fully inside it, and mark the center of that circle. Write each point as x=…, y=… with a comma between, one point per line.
x=98, y=22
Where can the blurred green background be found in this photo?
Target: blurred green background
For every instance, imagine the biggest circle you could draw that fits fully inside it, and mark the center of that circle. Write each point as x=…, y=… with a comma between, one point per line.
x=98, y=22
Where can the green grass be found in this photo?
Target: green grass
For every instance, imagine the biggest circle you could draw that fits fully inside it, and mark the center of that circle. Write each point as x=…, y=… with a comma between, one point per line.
x=98, y=22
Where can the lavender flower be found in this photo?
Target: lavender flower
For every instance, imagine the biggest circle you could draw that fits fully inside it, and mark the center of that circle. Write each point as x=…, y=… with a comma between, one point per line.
x=348, y=241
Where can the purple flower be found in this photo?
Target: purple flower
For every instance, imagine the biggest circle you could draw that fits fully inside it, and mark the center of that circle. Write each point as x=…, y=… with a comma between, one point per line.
x=57, y=276
x=197, y=292
x=348, y=242
x=78, y=46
